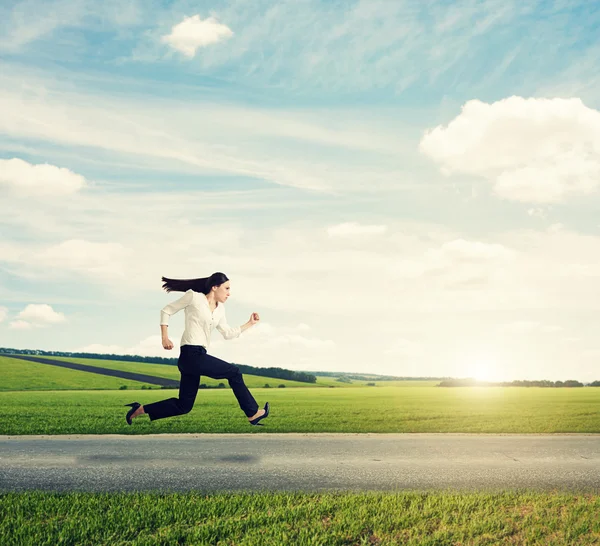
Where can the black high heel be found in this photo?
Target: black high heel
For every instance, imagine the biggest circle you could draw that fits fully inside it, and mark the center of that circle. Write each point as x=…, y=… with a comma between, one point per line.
x=265, y=414
x=134, y=407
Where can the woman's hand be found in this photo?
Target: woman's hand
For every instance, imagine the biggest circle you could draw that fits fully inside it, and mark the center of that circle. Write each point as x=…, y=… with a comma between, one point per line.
x=167, y=343
x=254, y=318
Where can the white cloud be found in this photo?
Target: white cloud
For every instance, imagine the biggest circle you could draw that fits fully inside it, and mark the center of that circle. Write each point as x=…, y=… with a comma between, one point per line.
x=41, y=315
x=537, y=212
x=20, y=325
x=102, y=262
x=533, y=150
x=456, y=264
x=25, y=179
x=463, y=251
x=93, y=258
x=266, y=345
x=102, y=349
x=149, y=346
x=354, y=228
x=3, y=313
x=152, y=346
x=193, y=33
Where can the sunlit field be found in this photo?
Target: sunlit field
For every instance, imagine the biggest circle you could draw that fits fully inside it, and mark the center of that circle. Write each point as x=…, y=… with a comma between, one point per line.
x=45, y=399
x=384, y=409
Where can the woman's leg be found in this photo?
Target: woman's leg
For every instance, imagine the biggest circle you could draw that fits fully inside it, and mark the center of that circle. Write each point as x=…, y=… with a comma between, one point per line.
x=219, y=369
x=188, y=389
x=188, y=365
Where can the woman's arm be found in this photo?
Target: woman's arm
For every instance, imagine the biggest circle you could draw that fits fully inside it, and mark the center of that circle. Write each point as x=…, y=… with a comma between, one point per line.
x=254, y=318
x=169, y=310
x=164, y=334
x=175, y=307
x=231, y=333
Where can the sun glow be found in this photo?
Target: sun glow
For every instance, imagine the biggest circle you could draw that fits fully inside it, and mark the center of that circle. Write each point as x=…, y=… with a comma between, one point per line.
x=483, y=369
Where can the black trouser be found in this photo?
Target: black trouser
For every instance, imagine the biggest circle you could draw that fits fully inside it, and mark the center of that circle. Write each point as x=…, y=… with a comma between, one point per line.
x=192, y=363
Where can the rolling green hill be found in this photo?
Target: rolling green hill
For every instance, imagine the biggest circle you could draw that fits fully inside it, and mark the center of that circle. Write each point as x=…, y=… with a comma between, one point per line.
x=19, y=375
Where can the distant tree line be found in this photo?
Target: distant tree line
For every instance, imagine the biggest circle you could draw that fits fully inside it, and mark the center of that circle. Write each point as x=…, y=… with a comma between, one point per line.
x=520, y=383
x=371, y=377
x=276, y=373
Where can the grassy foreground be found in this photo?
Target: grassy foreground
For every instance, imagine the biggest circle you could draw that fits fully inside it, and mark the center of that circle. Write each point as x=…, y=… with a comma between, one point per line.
x=382, y=409
x=407, y=518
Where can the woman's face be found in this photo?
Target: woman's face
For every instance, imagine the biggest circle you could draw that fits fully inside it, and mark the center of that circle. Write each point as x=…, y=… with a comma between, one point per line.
x=222, y=292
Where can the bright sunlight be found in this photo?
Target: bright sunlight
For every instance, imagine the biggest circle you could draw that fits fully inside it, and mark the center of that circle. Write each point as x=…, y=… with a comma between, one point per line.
x=483, y=368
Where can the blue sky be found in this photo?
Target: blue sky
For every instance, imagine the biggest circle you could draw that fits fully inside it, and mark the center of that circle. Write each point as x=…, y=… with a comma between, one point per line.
x=406, y=188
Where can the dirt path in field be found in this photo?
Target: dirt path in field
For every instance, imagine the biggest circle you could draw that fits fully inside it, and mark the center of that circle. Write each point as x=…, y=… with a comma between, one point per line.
x=169, y=383
x=302, y=462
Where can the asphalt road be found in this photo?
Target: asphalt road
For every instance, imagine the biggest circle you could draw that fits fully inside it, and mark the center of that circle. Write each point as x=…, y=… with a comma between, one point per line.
x=300, y=462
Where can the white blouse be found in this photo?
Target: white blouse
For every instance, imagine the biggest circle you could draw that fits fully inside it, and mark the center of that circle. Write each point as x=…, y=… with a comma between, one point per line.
x=199, y=319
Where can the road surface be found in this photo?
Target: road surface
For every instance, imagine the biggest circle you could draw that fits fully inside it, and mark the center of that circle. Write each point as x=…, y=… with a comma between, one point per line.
x=300, y=462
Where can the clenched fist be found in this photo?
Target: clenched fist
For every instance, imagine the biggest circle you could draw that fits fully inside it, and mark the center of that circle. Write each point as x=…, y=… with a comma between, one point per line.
x=167, y=343
x=254, y=318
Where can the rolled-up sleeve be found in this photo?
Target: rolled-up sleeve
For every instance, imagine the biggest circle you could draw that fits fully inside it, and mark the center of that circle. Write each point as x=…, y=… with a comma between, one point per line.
x=228, y=332
x=175, y=306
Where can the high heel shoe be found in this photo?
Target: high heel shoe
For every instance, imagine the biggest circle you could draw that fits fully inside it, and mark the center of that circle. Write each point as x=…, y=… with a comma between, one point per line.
x=134, y=407
x=255, y=422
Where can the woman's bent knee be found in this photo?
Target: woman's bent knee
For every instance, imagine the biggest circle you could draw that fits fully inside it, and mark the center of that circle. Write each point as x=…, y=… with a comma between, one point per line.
x=186, y=407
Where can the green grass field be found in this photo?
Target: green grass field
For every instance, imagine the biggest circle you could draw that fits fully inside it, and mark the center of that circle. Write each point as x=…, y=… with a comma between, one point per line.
x=45, y=399
x=385, y=409
x=246, y=519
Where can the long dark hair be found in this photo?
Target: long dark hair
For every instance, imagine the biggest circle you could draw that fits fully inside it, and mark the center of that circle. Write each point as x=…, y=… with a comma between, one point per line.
x=203, y=285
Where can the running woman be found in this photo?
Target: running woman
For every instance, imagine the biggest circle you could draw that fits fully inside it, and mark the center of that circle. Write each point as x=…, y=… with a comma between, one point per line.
x=203, y=303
